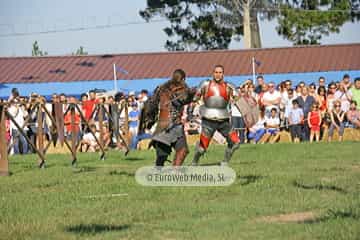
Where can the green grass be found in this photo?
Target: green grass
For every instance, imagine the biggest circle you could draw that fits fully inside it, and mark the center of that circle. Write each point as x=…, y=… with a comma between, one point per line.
x=274, y=179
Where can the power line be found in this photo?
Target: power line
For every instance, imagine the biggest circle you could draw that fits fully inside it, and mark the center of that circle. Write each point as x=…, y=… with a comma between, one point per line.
x=106, y=26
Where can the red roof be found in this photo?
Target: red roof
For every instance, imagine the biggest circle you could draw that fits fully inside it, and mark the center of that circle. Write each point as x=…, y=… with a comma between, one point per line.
x=196, y=64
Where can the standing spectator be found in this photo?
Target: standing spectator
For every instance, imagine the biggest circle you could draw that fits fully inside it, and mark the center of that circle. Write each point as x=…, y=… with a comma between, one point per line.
x=344, y=95
x=289, y=105
x=18, y=112
x=237, y=121
x=346, y=81
x=134, y=115
x=264, y=89
x=296, y=119
x=312, y=90
x=330, y=99
x=353, y=115
x=67, y=123
x=271, y=99
x=321, y=83
x=260, y=83
x=314, y=122
x=305, y=102
x=337, y=121
x=355, y=90
x=14, y=94
x=321, y=100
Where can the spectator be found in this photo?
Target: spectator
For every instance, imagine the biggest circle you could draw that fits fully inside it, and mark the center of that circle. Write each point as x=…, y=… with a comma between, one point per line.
x=346, y=82
x=134, y=115
x=260, y=83
x=312, y=90
x=69, y=129
x=305, y=102
x=355, y=90
x=18, y=112
x=88, y=142
x=314, y=122
x=271, y=99
x=237, y=122
x=337, y=121
x=272, y=125
x=321, y=83
x=289, y=105
x=296, y=120
x=14, y=94
x=330, y=99
x=353, y=115
x=321, y=100
x=344, y=95
x=258, y=130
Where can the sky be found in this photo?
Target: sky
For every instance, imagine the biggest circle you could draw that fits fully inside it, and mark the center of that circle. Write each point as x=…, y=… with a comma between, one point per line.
x=29, y=16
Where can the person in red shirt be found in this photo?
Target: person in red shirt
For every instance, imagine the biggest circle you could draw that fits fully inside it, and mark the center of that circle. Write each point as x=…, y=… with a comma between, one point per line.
x=314, y=122
x=72, y=129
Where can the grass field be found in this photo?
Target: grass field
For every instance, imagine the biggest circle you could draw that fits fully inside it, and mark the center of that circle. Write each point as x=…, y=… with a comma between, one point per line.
x=282, y=191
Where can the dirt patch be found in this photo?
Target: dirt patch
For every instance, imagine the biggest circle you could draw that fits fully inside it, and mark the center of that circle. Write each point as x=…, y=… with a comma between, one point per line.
x=298, y=217
x=355, y=167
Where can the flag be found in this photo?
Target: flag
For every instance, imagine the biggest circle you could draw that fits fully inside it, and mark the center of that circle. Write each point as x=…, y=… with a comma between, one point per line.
x=258, y=63
x=120, y=69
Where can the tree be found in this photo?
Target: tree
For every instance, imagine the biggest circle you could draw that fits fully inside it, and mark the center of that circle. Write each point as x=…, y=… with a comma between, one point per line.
x=36, y=51
x=306, y=21
x=80, y=51
x=205, y=24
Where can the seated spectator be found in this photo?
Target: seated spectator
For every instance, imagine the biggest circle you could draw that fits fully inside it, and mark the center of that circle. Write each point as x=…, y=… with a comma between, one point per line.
x=258, y=130
x=314, y=122
x=88, y=142
x=296, y=119
x=272, y=125
x=353, y=116
x=337, y=121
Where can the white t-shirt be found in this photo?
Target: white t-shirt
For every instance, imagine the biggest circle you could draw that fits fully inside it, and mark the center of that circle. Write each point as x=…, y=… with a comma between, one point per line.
x=272, y=121
x=260, y=124
x=235, y=111
x=345, y=103
x=19, y=115
x=271, y=97
x=90, y=137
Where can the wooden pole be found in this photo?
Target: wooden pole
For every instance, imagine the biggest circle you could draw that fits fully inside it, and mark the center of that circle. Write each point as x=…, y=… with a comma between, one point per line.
x=4, y=161
x=40, y=137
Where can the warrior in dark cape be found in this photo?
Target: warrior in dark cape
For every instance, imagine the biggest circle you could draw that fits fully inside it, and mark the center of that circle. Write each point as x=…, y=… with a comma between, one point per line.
x=165, y=108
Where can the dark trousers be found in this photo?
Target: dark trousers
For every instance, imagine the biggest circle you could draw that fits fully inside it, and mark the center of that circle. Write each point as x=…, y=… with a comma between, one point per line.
x=239, y=125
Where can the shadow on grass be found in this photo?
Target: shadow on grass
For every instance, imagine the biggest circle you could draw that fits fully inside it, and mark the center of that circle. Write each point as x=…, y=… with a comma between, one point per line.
x=333, y=215
x=92, y=229
x=246, y=180
x=319, y=187
x=84, y=169
x=122, y=173
x=209, y=164
x=134, y=159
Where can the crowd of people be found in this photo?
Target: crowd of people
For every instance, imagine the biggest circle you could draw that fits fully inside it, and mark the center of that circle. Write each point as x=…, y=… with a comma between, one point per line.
x=306, y=111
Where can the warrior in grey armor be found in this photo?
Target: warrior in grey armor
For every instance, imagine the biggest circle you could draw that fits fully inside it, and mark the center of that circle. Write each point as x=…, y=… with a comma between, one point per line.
x=216, y=95
x=165, y=107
